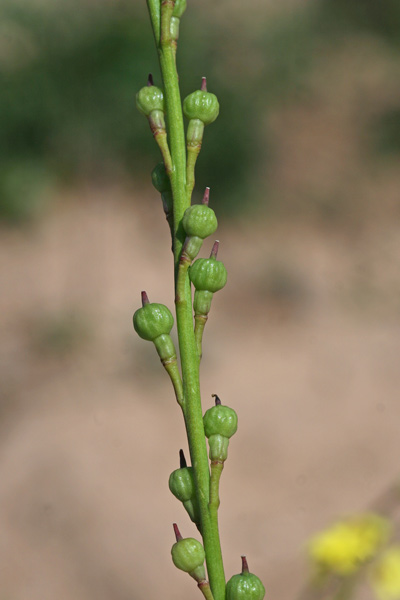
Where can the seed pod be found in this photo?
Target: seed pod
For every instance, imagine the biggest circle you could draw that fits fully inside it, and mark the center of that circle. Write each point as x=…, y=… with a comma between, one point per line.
x=181, y=484
x=179, y=8
x=245, y=586
x=153, y=320
x=160, y=179
x=220, y=423
x=208, y=274
x=149, y=99
x=220, y=420
x=188, y=555
x=201, y=105
x=199, y=220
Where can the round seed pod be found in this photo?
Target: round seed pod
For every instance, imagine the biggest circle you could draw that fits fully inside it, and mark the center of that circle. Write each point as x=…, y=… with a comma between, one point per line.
x=245, y=586
x=200, y=221
x=220, y=420
x=208, y=274
x=188, y=554
x=201, y=105
x=153, y=320
x=179, y=8
x=160, y=179
x=150, y=98
x=181, y=483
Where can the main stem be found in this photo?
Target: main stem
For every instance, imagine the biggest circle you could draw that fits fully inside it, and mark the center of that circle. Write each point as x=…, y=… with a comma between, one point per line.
x=190, y=362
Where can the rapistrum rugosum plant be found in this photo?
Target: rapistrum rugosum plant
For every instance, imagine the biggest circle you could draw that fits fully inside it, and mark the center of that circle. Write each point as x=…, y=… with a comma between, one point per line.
x=195, y=486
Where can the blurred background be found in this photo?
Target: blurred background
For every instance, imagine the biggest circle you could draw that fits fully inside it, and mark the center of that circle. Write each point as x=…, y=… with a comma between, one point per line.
x=304, y=341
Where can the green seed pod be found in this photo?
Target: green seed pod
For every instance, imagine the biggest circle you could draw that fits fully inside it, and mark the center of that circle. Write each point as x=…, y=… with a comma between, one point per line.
x=149, y=99
x=208, y=274
x=200, y=221
x=181, y=484
x=188, y=555
x=160, y=179
x=220, y=420
x=179, y=8
x=201, y=105
x=152, y=321
x=245, y=586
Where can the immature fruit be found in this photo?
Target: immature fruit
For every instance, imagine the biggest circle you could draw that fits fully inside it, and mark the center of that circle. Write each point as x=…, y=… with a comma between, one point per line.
x=150, y=98
x=245, y=586
x=179, y=8
x=200, y=221
x=160, y=179
x=188, y=554
x=208, y=274
x=153, y=320
x=181, y=484
x=201, y=105
x=220, y=420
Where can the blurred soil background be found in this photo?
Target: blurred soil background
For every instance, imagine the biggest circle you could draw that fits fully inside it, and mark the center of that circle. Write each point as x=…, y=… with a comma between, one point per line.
x=304, y=342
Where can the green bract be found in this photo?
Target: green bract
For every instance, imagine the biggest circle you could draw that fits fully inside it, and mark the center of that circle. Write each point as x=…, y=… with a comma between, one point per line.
x=150, y=98
x=245, y=586
x=179, y=8
x=160, y=179
x=181, y=484
x=200, y=221
x=201, y=105
x=208, y=274
x=153, y=320
x=188, y=554
x=220, y=420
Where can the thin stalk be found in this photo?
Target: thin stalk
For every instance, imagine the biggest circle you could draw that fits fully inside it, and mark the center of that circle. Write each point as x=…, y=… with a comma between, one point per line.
x=199, y=324
x=205, y=589
x=160, y=136
x=193, y=152
x=171, y=366
x=216, y=472
x=175, y=127
x=155, y=18
x=183, y=298
x=195, y=431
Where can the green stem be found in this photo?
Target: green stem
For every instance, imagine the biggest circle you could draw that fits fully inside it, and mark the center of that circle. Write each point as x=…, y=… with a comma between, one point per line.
x=216, y=471
x=192, y=154
x=171, y=366
x=195, y=431
x=154, y=7
x=199, y=324
x=175, y=126
x=205, y=589
x=160, y=136
x=187, y=345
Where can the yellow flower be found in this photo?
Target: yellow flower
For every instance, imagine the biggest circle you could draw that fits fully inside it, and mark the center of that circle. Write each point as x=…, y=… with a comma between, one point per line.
x=385, y=575
x=345, y=546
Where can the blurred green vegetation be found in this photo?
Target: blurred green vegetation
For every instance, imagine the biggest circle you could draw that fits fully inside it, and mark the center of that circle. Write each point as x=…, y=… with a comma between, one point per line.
x=69, y=74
